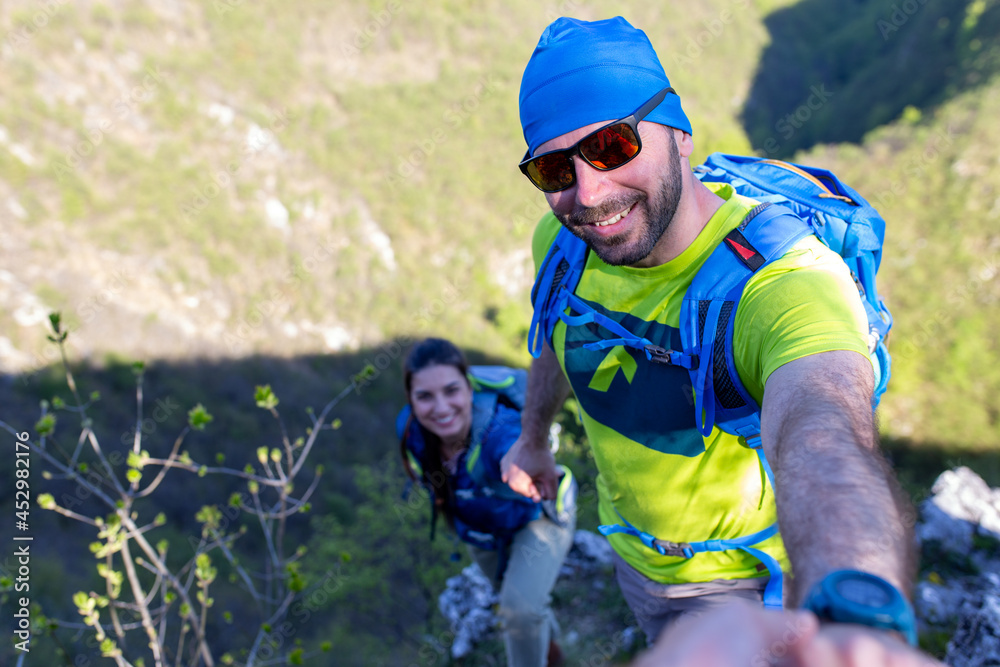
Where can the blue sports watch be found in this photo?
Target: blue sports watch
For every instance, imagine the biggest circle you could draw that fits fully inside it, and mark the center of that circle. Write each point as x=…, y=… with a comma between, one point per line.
x=851, y=596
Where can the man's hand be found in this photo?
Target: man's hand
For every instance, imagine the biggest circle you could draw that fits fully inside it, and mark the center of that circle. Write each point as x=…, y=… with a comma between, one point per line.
x=744, y=634
x=843, y=645
x=530, y=469
x=736, y=634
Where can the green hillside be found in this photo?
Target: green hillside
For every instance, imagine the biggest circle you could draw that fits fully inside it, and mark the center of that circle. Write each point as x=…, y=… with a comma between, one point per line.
x=242, y=193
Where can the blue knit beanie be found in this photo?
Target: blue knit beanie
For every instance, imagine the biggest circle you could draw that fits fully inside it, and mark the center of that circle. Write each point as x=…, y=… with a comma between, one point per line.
x=584, y=72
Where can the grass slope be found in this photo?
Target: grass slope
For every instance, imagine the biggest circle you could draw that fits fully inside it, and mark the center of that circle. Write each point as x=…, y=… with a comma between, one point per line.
x=278, y=191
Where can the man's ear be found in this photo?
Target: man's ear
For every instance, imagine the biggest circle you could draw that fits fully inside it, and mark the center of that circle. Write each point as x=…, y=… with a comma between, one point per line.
x=685, y=145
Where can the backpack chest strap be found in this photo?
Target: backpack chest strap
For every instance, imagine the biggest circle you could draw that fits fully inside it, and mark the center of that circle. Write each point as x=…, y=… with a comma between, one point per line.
x=653, y=352
x=773, y=592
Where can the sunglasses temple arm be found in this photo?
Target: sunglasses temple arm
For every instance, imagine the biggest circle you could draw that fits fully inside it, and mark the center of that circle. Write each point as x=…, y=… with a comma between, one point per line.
x=644, y=110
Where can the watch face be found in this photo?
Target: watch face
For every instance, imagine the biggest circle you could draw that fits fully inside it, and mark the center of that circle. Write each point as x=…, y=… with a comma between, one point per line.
x=863, y=592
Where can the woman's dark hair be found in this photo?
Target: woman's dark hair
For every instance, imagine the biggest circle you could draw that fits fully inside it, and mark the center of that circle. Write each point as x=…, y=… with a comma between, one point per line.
x=431, y=352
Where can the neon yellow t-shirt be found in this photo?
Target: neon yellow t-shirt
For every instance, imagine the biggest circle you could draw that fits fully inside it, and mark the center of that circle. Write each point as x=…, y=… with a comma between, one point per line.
x=654, y=466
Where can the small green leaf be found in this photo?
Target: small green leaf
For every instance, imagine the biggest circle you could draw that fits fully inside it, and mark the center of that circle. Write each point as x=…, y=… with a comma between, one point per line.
x=46, y=501
x=137, y=459
x=306, y=507
x=58, y=403
x=83, y=467
x=55, y=319
x=95, y=395
x=198, y=417
x=295, y=657
x=254, y=486
x=185, y=609
x=220, y=458
x=46, y=424
x=336, y=424
x=202, y=471
x=275, y=454
x=133, y=476
x=248, y=469
x=81, y=600
x=228, y=616
x=366, y=373
x=160, y=519
x=138, y=368
x=266, y=627
x=262, y=454
x=265, y=398
x=235, y=500
x=161, y=546
x=326, y=646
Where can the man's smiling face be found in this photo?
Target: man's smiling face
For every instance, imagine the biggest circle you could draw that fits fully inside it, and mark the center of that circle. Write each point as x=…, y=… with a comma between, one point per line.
x=621, y=214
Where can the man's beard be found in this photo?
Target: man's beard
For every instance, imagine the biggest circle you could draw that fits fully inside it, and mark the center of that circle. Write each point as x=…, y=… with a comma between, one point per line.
x=621, y=250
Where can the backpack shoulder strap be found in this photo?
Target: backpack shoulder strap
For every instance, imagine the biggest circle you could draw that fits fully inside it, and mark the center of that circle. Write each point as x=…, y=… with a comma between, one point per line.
x=557, y=278
x=484, y=409
x=708, y=313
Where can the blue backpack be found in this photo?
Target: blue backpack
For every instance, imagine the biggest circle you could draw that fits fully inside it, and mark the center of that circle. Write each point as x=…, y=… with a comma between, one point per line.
x=795, y=201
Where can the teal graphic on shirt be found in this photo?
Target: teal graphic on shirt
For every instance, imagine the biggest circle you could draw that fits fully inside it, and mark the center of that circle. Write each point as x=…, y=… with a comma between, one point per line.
x=644, y=401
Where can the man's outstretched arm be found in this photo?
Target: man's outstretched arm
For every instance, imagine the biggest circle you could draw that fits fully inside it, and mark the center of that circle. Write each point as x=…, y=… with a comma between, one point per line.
x=529, y=467
x=838, y=502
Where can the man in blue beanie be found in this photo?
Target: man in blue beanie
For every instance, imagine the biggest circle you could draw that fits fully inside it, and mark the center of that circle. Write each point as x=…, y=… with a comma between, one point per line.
x=608, y=143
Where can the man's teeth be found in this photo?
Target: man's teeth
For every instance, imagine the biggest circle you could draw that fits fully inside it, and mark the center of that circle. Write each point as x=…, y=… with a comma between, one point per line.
x=611, y=221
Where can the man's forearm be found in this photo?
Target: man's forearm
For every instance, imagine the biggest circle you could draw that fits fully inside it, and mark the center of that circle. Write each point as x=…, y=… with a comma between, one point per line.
x=546, y=391
x=839, y=505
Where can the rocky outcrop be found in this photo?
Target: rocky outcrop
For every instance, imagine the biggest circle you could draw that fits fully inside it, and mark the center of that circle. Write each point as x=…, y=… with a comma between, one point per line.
x=959, y=534
x=468, y=599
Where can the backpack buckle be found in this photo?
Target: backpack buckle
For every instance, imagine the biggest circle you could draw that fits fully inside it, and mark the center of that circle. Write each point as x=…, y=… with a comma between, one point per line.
x=660, y=355
x=678, y=549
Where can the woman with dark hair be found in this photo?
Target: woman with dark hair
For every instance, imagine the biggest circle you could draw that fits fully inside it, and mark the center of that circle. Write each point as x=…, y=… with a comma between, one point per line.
x=457, y=427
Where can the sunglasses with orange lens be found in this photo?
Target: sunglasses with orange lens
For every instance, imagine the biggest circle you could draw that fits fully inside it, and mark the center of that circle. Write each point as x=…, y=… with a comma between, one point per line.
x=604, y=149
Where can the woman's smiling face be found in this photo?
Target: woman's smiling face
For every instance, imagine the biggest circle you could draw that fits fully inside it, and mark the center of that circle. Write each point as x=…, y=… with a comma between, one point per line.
x=442, y=402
